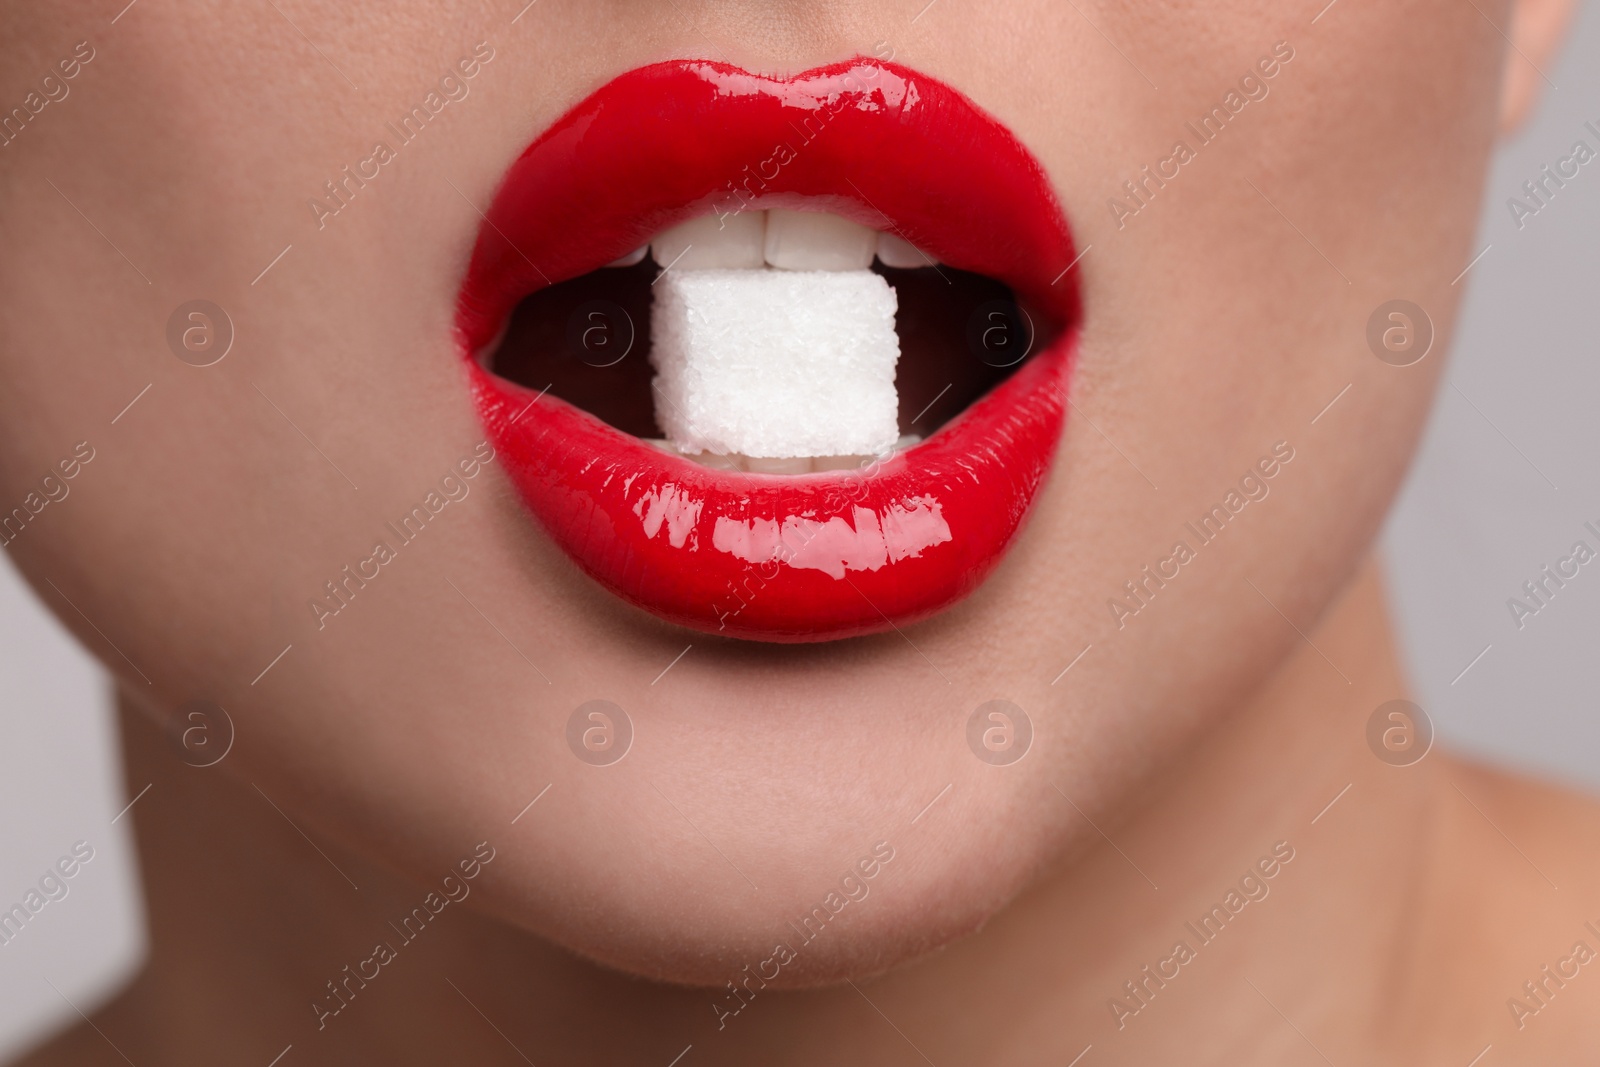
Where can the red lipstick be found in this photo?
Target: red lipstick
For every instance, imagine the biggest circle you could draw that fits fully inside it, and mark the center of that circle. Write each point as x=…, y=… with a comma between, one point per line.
x=807, y=557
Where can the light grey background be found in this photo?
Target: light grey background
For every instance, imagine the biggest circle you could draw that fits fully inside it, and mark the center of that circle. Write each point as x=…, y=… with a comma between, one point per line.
x=1507, y=476
x=1510, y=469
x=60, y=783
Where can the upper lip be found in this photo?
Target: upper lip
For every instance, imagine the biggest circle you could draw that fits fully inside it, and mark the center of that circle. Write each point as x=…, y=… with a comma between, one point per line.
x=806, y=557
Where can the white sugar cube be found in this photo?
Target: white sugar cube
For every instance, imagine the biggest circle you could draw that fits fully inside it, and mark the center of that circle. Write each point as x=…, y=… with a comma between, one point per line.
x=775, y=363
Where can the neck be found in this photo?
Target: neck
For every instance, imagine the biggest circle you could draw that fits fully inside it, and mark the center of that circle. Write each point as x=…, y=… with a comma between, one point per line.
x=1137, y=947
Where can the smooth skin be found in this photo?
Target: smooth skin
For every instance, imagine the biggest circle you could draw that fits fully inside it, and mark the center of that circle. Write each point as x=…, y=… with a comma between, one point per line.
x=1196, y=735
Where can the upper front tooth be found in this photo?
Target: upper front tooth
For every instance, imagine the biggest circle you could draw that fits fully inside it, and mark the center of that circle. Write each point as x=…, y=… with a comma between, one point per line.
x=902, y=254
x=811, y=240
x=710, y=243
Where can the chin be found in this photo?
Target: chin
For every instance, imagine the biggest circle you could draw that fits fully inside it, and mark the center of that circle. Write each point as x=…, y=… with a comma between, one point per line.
x=815, y=877
x=788, y=937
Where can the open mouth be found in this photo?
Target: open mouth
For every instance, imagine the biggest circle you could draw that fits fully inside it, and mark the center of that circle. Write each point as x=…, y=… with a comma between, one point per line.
x=782, y=359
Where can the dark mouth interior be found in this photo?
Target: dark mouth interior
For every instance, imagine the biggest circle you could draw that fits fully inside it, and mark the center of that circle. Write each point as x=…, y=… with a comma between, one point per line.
x=588, y=340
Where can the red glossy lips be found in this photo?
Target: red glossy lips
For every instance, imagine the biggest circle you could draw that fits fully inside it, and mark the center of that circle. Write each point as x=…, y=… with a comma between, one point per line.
x=778, y=558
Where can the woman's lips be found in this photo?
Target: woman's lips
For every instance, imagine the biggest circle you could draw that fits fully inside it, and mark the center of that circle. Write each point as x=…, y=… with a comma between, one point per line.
x=777, y=558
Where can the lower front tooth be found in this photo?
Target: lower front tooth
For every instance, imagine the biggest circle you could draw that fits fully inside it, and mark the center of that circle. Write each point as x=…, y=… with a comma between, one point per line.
x=719, y=463
x=840, y=463
x=790, y=465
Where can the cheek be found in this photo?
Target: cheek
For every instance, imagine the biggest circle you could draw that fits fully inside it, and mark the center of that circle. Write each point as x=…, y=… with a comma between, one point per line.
x=1224, y=316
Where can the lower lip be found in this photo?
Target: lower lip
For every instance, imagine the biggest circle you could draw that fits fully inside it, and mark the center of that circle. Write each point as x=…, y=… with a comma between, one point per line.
x=782, y=558
x=809, y=557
